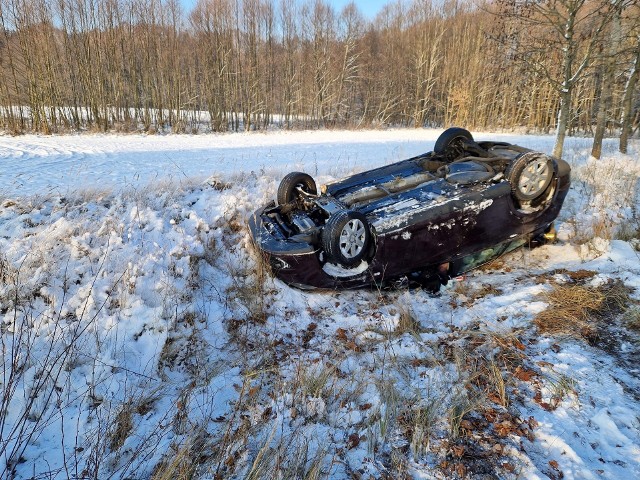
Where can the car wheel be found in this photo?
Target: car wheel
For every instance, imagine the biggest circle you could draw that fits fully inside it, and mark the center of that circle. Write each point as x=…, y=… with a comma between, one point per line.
x=346, y=238
x=529, y=175
x=288, y=189
x=450, y=143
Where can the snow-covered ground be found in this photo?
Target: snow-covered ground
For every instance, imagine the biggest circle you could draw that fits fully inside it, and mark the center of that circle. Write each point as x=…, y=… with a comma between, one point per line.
x=142, y=337
x=59, y=164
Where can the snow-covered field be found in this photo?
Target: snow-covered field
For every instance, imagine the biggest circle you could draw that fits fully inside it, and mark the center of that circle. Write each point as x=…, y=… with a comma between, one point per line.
x=143, y=338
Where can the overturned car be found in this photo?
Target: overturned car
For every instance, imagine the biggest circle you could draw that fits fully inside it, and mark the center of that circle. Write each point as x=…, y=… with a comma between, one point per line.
x=423, y=220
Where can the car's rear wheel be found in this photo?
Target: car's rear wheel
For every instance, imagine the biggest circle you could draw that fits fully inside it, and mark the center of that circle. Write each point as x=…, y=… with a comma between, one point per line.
x=450, y=143
x=529, y=175
x=346, y=238
x=292, y=183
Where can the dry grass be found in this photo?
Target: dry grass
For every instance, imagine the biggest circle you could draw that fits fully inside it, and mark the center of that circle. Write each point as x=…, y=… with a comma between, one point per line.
x=629, y=231
x=577, y=276
x=183, y=461
x=575, y=310
x=631, y=318
x=460, y=407
x=316, y=381
x=122, y=428
x=469, y=292
x=251, y=287
x=407, y=322
x=608, y=190
x=499, y=385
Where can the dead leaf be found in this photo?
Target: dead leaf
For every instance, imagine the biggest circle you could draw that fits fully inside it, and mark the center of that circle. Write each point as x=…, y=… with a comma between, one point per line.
x=509, y=467
x=546, y=406
x=504, y=428
x=553, y=464
x=353, y=441
x=490, y=415
x=466, y=424
x=341, y=334
x=458, y=450
x=495, y=398
x=519, y=345
x=538, y=399
x=524, y=375
x=365, y=406
x=312, y=326
x=351, y=345
x=253, y=391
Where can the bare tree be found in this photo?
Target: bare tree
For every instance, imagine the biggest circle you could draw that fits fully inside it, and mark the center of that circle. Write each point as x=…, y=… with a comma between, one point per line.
x=627, y=100
x=350, y=29
x=607, y=70
x=427, y=57
x=231, y=64
x=569, y=29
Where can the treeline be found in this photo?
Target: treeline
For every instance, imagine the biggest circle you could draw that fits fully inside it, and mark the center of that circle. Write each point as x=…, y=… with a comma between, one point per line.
x=130, y=65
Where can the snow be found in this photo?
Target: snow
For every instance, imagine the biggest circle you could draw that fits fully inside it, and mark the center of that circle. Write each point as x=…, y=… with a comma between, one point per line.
x=138, y=326
x=340, y=271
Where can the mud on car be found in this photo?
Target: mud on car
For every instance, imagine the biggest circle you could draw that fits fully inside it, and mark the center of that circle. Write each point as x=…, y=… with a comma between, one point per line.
x=423, y=220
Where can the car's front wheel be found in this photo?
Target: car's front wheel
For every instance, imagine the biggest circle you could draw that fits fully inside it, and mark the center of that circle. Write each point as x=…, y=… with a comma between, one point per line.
x=346, y=238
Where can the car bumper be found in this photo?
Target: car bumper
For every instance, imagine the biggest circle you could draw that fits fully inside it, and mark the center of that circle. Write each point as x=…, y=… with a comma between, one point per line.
x=295, y=263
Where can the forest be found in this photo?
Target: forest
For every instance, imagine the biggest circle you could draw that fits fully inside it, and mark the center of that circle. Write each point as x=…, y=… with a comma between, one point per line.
x=230, y=65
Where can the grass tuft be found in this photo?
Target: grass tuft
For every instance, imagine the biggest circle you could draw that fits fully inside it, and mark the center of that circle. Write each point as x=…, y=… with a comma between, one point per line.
x=407, y=321
x=122, y=428
x=575, y=310
x=631, y=318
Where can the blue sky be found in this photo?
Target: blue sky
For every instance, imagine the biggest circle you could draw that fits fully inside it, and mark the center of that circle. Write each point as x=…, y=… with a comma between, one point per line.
x=368, y=7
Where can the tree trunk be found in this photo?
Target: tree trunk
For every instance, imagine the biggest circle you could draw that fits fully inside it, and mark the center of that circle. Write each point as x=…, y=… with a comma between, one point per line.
x=601, y=117
x=569, y=53
x=563, y=120
x=627, y=101
x=608, y=77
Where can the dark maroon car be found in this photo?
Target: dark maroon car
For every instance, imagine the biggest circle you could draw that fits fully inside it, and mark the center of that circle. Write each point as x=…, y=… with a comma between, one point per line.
x=421, y=220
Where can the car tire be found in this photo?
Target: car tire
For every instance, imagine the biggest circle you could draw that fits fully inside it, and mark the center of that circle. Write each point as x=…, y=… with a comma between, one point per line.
x=529, y=175
x=287, y=190
x=346, y=238
x=450, y=143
